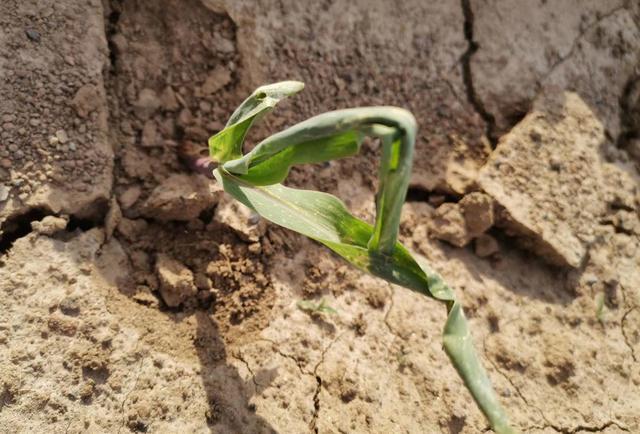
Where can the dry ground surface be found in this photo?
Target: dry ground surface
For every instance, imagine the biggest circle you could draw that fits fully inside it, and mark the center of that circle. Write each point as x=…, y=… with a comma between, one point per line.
x=136, y=297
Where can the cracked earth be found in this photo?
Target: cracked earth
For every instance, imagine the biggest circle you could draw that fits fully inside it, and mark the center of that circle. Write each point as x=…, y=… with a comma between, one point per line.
x=137, y=297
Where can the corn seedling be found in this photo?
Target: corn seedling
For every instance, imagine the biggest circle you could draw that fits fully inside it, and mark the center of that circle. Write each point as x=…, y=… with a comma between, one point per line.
x=321, y=307
x=254, y=180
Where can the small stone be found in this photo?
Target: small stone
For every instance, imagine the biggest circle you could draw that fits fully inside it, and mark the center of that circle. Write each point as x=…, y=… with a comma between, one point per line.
x=255, y=248
x=225, y=46
x=120, y=43
x=69, y=306
x=62, y=137
x=202, y=282
x=176, y=281
x=33, y=35
x=478, y=212
x=146, y=104
x=86, y=100
x=73, y=146
x=448, y=224
x=49, y=225
x=149, y=134
x=4, y=192
x=216, y=80
x=130, y=196
x=486, y=245
x=5, y=163
x=168, y=99
x=180, y=197
x=185, y=118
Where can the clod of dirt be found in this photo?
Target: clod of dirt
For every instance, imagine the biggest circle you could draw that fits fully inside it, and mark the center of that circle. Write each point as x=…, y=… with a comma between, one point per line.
x=486, y=245
x=146, y=104
x=86, y=100
x=448, y=224
x=477, y=209
x=50, y=225
x=547, y=175
x=180, y=197
x=129, y=196
x=176, y=280
x=4, y=192
x=216, y=80
x=150, y=137
x=459, y=223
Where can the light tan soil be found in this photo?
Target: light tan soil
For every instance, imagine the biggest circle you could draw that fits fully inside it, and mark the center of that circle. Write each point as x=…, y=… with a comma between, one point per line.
x=137, y=297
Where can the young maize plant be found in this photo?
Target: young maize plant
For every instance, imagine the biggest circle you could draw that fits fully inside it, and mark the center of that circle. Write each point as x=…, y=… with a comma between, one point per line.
x=254, y=180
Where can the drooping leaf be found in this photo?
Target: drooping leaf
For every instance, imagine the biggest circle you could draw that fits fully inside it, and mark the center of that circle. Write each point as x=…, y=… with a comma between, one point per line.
x=324, y=218
x=227, y=144
x=253, y=180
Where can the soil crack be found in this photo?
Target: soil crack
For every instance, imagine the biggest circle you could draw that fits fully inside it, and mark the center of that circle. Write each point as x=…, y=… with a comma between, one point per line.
x=285, y=355
x=547, y=422
x=316, y=396
x=583, y=428
x=633, y=307
x=578, y=38
x=238, y=356
x=467, y=76
x=126, y=397
x=624, y=333
x=111, y=25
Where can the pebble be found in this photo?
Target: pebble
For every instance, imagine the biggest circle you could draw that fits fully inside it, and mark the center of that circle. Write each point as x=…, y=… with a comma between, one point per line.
x=169, y=100
x=62, y=136
x=149, y=134
x=486, y=245
x=4, y=192
x=6, y=163
x=217, y=79
x=147, y=103
x=130, y=196
x=73, y=146
x=33, y=35
x=225, y=46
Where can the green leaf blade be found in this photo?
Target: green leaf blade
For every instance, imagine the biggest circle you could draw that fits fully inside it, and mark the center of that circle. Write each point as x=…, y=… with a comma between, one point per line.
x=227, y=144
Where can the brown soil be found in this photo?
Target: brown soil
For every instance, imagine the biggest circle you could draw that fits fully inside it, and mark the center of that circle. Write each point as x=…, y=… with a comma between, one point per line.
x=137, y=297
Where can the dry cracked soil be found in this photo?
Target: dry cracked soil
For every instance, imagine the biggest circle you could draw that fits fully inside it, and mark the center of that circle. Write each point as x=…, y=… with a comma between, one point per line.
x=136, y=297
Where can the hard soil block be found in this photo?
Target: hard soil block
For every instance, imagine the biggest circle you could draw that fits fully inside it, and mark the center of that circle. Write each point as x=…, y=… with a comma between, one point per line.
x=547, y=176
x=53, y=119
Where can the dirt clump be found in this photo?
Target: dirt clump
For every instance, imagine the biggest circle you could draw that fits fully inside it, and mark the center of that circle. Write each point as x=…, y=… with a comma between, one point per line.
x=49, y=225
x=548, y=177
x=460, y=223
x=180, y=197
x=176, y=280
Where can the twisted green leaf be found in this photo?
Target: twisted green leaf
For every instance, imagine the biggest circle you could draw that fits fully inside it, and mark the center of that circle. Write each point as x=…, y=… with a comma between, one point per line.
x=253, y=179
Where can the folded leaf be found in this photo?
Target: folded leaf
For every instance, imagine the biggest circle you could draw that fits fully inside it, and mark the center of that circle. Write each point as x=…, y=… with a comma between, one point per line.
x=227, y=144
x=253, y=179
